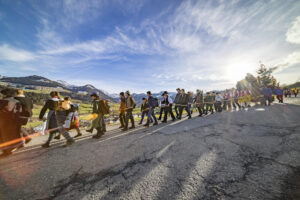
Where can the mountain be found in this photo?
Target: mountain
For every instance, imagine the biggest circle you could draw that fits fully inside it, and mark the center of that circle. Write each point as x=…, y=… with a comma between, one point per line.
x=66, y=84
x=32, y=81
x=294, y=85
x=40, y=83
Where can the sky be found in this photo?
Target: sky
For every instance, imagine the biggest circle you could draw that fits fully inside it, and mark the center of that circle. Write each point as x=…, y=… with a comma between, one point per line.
x=142, y=45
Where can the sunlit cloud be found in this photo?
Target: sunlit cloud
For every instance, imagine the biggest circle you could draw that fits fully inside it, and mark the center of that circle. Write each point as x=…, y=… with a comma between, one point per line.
x=293, y=34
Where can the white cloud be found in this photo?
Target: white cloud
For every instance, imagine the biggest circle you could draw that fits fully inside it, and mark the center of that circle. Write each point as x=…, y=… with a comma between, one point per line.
x=9, y=53
x=291, y=60
x=293, y=34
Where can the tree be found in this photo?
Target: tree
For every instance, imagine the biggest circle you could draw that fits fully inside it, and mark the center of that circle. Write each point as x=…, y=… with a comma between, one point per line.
x=264, y=76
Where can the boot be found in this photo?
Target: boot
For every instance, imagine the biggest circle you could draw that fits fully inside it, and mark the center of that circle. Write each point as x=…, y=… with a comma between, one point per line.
x=155, y=123
x=78, y=135
x=147, y=124
x=132, y=127
x=57, y=137
x=46, y=145
x=70, y=142
x=99, y=134
x=90, y=130
x=27, y=140
x=125, y=127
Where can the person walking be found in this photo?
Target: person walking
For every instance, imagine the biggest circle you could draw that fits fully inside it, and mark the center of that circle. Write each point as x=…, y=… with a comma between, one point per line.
x=208, y=103
x=184, y=99
x=100, y=108
x=167, y=107
x=10, y=122
x=152, y=104
x=130, y=105
x=176, y=102
x=144, y=110
x=279, y=94
x=27, y=106
x=235, y=99
x=267, y=92
x=162, y=107
x=218, y=104
x=122, y=109
x=199, y=102
x=51, y=122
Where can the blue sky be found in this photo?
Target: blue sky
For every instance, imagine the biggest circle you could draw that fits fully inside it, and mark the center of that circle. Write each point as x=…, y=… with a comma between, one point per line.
x=153, y=45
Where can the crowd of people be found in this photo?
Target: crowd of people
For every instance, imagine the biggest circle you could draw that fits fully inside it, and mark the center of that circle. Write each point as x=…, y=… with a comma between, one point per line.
x=291, y=92
x=62, y=114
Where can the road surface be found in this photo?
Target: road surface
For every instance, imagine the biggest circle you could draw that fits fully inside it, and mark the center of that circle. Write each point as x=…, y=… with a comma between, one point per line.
x=253, y=154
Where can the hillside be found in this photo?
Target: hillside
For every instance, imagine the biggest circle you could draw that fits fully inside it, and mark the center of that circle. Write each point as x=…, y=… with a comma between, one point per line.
x=294, y=85
x=40, y=83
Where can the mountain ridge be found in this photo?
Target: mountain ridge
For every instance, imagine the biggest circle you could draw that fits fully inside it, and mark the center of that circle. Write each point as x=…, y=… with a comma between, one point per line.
x=35, y=81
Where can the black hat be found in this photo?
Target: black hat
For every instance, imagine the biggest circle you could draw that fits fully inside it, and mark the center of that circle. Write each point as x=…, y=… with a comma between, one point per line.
x=143, y=98
x=149, y=92
x=178, y=89
x=95, y=94
x=165, y=92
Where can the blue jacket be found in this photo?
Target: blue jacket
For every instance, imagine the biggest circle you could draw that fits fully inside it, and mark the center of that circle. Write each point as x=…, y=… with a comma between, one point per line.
x=152, y=102
x=267, y=91
x=278, y=91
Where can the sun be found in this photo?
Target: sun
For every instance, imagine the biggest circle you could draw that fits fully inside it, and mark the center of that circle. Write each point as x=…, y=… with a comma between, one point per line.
x=237, y=72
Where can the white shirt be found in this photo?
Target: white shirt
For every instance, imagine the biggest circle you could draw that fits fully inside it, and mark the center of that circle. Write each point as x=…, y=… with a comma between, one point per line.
x=219, y=98
x=170, y=100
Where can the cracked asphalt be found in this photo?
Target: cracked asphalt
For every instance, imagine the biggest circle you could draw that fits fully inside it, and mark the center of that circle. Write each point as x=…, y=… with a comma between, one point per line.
x=253, y=154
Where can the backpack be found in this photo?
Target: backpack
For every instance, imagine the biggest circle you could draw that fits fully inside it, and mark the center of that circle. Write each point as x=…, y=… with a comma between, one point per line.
x=133, y=102
x=156, y=102
x=104, y=107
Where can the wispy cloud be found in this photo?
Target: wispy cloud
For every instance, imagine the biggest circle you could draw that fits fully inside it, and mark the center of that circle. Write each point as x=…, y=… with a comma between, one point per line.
x=9, y=53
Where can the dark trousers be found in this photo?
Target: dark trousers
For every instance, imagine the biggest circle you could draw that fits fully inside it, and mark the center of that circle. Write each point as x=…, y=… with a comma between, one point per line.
x=143, y=116
x=122, y=119
x=162, y=110
x=151, y=114
x=235, y=103
x=129, y=116
x=209, y=107
x=267, y=100
x=52, y=124
x=280, y=98
x=227, y=103
x=177, y=109
x=51, y=135
x=218, y=106
x=200, y=109
x=168, y=110
x=187, y=110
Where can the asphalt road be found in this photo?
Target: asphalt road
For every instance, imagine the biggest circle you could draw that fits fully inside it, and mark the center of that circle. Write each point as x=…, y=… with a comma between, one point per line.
x=253, y=154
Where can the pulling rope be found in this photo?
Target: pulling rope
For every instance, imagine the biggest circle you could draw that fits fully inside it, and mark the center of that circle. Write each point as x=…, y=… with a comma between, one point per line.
x=18, y=140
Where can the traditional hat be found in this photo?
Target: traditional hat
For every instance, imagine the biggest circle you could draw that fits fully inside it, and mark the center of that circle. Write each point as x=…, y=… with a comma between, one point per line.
x=165, y=92
x=95, y=94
